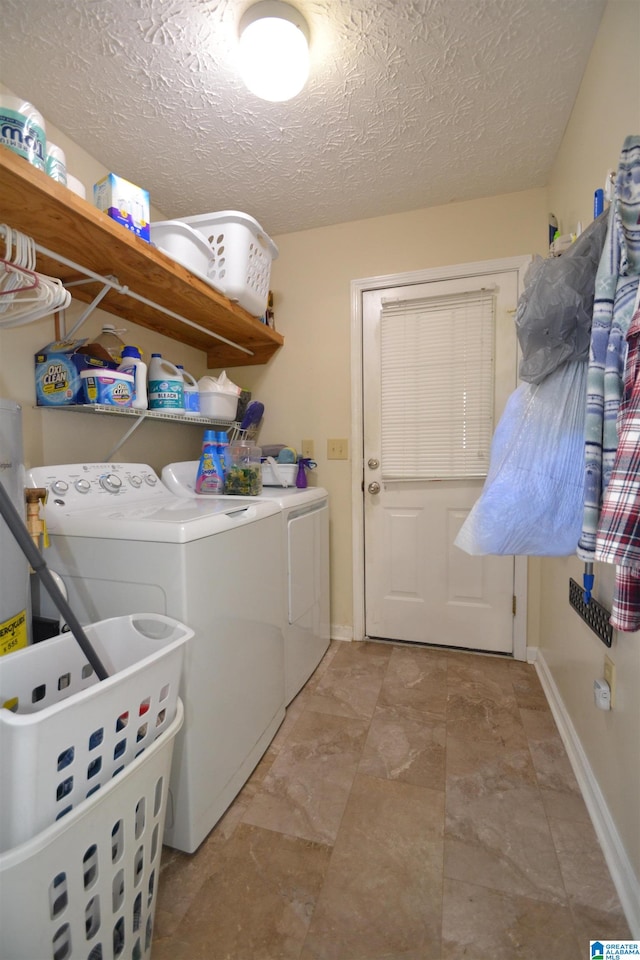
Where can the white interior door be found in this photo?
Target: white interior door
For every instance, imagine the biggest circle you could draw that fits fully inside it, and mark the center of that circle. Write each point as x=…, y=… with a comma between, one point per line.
x=425, y=461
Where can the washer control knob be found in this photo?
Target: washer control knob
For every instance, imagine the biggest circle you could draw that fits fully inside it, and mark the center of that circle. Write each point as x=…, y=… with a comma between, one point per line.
x=135, y=481
x=110, y=482
x=59, y=487
x=151, y=479
x=82, y=486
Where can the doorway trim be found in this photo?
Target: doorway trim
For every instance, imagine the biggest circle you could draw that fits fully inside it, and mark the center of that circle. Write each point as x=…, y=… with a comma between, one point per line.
x=358, y=288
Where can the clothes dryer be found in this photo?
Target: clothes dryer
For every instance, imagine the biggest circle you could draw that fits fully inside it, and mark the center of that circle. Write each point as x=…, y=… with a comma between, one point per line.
x=305, y=544
x=124, y=544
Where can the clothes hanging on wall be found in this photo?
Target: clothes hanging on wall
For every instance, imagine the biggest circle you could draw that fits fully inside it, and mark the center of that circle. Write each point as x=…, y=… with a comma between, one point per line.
x=615, y=290
x=618, y=534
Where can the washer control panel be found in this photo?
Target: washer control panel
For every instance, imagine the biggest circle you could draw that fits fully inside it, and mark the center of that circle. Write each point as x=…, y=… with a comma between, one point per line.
x=83, y=485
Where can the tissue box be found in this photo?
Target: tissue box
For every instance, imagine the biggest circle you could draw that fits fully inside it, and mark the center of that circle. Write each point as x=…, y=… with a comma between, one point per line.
x=59, y=366
x=124, y=202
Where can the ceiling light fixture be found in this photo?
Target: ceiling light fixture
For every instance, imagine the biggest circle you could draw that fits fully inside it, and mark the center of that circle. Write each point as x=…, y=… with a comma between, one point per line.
x=274, y=50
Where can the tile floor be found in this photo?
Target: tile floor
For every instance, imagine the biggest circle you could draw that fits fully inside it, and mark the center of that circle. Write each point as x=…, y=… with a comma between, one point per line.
x=416, y=804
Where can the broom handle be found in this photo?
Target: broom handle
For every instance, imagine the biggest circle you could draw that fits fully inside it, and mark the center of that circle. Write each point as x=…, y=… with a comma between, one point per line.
x=19, y=530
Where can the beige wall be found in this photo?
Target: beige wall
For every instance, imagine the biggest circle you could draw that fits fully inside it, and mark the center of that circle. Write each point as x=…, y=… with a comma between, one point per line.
x=606, y=111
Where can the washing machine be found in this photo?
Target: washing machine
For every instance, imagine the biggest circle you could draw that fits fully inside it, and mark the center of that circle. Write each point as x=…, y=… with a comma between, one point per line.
x=124, y=544
x=305, y=544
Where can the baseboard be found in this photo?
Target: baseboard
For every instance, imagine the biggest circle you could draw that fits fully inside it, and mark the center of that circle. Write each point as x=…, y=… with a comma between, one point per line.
x=622, y=873
x=341, y=632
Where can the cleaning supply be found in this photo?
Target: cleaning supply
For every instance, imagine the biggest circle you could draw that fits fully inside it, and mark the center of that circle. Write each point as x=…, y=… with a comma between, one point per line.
x=22, y=129
x=133, y=364
x=244, y=475
x=304, y=464
x=56, y=163
x=109, y=387
x=210, y=476
x=166, y=387
x=191, y=393
x=222, y=441
x=301, y=476
x=109, y=339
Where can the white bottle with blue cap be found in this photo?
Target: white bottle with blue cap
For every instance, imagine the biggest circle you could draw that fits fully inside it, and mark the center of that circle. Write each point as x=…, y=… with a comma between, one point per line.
x=133, y=363
x=166, y=387
x=191, y=393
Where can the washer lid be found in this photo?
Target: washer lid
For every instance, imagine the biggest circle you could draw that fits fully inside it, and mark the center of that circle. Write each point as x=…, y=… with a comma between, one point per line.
x=168, y=519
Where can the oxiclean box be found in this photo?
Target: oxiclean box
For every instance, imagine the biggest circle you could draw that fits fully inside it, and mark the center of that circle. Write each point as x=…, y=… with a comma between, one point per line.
x=59, y=366
x=124, y=202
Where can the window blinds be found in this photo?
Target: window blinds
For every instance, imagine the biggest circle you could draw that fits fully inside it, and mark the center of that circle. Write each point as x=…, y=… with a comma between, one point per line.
x=437, y=370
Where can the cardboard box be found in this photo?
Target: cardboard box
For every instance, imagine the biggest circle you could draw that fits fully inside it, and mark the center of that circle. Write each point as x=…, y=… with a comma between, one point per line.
x=124, y=202
x=58, y=369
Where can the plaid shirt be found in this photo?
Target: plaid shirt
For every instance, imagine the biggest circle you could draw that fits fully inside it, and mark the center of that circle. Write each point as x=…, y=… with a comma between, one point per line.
x=614, y=295
x=618, y=535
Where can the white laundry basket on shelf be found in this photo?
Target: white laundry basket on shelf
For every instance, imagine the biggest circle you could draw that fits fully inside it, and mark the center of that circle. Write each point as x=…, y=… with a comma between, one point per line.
x=71, y=734
x=85, y=888
x=238, y=254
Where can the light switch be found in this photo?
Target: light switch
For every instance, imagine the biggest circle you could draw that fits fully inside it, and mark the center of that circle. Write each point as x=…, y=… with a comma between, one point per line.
x=337, y=449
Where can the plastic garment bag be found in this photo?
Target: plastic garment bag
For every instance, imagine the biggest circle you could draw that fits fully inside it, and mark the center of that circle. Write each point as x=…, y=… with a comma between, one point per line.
x=553, y=318
x=531, y=503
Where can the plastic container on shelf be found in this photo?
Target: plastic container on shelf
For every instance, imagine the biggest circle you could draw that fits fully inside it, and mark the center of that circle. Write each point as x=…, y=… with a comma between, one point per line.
x=218, y=405
x=87, y=885
x=69, y=734
x=113, y=388
x=133, y=364
x=191, y=393
x=110, y=339
x=244, y=475
x=166, y=386
x=22, y=129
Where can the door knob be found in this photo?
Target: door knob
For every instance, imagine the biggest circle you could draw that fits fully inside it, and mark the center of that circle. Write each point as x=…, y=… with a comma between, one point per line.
x=373, y=464
x=374, y=487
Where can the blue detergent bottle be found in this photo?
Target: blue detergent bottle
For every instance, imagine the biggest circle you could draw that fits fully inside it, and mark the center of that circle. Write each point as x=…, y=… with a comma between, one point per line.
x=222, y=441
x=210, y=476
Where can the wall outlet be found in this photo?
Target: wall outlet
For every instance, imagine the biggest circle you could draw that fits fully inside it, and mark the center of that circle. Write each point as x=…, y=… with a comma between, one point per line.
x=602, y=694
x=337, y=449
x=610, y=677
x=307, y=449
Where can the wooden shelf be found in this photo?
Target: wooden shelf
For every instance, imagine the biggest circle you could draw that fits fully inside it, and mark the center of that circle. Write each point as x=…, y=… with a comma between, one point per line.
x=64, y=223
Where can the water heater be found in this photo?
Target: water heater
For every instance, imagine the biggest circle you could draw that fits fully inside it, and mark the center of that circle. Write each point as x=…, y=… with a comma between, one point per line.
x=15, y=605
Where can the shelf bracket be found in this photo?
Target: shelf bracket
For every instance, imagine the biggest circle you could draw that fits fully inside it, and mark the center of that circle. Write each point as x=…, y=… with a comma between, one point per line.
x=114, y=284
x=92, y=306
x=132, y=429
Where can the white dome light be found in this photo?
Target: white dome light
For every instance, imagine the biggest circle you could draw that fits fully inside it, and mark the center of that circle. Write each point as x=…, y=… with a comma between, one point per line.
x=274, y=50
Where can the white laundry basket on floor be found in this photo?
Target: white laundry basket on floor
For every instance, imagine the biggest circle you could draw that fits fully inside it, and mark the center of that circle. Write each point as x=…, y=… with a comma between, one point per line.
x=71, y=734
x=85, y=888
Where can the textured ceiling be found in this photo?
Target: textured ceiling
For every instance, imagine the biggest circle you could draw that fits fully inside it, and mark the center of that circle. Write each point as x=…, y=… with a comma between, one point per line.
x=410, y=103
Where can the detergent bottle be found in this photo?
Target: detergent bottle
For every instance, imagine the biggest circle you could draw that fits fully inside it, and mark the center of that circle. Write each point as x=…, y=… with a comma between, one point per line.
x=191, y=393
x=133, y=363
x=210, y=476
x=166, y=387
